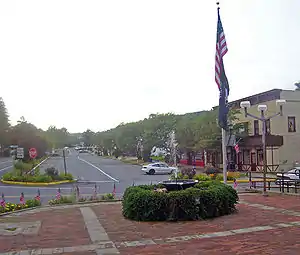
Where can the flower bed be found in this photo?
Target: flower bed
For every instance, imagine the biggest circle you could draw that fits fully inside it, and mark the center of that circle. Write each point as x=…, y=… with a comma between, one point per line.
x=10, y=207
x=72, y=199
x=206, y=177
x=205, y=200
x=51, y=175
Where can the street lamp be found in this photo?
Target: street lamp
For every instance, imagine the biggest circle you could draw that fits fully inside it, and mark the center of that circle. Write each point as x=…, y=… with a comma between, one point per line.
x=262, y=109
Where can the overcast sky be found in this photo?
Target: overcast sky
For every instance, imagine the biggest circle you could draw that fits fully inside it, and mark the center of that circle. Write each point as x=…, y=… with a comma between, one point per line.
x=95, y=64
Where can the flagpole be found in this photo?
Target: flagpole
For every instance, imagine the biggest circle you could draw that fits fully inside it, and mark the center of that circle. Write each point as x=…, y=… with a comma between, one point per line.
x=224, y=152
x=224, y=141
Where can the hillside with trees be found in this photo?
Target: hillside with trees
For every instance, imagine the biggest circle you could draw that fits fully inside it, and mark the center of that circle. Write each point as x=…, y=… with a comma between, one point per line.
x=194, y=132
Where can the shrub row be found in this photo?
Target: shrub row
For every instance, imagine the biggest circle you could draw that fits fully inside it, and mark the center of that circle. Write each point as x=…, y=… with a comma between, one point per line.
x=206, y=177
x=205, y=200
x=13, y=176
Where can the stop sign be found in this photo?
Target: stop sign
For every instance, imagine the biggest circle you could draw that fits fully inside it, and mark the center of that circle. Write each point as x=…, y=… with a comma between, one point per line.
x=32, y=153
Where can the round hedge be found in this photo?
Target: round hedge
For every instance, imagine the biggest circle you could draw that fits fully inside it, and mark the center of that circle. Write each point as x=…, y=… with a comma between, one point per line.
x=205, y=200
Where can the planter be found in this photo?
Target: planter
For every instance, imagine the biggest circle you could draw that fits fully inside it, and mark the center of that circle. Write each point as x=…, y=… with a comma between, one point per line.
x=36, y=183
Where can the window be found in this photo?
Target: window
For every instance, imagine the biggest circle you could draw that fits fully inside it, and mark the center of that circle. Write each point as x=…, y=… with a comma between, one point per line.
x=268, y=126
x=256, y=127
x=260, y=157
x=246, y=156
x=291, y=124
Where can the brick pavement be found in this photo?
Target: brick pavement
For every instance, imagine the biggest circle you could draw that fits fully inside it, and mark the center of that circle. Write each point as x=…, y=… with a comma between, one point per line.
x=259, y=227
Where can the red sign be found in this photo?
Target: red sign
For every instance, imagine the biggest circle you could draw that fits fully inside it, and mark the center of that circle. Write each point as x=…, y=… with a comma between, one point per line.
x=32, y=153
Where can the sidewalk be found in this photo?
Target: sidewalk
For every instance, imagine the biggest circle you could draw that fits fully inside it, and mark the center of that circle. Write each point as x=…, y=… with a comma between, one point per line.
x=263, y=225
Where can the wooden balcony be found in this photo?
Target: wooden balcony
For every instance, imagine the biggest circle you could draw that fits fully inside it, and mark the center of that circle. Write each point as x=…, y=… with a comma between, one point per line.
x=256, y=141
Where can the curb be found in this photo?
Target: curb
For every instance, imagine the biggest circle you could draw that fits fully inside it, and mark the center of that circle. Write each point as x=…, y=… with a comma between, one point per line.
x=273, y=192
x=247, y=181
x=36, y=183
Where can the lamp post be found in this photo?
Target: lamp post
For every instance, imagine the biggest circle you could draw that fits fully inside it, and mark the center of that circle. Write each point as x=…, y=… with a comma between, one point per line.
x=262, y=109
x=64, y=156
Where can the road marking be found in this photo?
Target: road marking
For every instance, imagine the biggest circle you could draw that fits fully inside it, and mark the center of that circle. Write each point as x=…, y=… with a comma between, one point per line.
x=5, y=168
x=83, y=160
x=5, y=162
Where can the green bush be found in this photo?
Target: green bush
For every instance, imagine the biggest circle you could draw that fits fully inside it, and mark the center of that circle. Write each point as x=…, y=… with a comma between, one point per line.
x=205, y=200
x=23, y=166
x=15, y=176
x=62, y=200
x=202, y=177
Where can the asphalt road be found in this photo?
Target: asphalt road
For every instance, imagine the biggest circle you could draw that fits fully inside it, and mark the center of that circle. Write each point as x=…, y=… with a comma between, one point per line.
x=6, y=164
x=90, y=170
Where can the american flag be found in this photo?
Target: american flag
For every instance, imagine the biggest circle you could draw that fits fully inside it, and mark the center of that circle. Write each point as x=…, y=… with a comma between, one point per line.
x=237, y=148
x=95, y=191
x=38, y=196
x=2, y=202
x=220, y=75
x=221, y=50
x=22, y=199
x=58, y=196
x=235, y=184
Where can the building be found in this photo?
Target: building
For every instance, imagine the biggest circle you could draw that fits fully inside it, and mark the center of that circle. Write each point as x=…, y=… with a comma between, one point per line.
x=283, y=133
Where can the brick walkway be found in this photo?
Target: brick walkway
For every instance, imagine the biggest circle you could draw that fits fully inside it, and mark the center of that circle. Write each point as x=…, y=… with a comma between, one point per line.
x=263, y=225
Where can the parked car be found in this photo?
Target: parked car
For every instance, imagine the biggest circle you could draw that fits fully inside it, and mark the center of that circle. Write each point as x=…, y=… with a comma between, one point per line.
x=158, y=168
x=292, y=175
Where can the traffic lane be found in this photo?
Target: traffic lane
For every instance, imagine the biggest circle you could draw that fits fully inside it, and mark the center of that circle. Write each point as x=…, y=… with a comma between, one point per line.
x=56, y=162
x=123, y=172
x=5, y=166
x=84, y=171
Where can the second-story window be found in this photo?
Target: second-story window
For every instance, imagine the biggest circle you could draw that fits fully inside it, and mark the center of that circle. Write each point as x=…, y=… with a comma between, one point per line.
x=291, y=124
x=268, y=126
x=256, y=127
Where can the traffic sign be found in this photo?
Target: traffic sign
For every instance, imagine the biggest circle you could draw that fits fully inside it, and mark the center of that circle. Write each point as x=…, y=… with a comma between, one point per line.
x=32, y=153
x=20, y=152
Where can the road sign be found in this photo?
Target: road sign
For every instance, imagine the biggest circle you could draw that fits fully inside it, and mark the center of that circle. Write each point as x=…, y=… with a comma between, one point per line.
x=20, y=152
x=32, y=153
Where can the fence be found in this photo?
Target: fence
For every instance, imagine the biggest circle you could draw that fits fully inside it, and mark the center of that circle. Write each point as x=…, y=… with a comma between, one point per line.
x=281, y=182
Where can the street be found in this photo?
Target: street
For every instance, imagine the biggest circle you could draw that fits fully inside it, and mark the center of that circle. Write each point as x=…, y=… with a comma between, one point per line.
x=90, y=170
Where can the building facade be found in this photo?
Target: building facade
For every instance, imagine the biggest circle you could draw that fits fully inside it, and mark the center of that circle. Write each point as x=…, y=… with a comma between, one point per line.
x=282, y=134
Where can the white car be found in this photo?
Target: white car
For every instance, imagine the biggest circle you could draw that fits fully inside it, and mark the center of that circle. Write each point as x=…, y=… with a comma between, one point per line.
x=158, y=168
x=291, y=175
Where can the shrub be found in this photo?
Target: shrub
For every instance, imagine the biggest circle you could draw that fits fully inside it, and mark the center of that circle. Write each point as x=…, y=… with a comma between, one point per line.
x=20, y=165
x=51, y=171
x=189, y=172
x=205, y=200
x=202, y=177
x=233, y=175
x=62, y=200
x=212, y=170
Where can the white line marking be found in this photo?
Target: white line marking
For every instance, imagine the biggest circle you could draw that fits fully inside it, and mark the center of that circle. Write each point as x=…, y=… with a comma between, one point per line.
x=98, y=169
x=5, y=168
x=9, y=161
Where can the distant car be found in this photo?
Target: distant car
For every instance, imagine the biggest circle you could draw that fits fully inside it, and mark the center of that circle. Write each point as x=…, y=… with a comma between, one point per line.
x=158, y=168
x=290, y=176
x=83, y=151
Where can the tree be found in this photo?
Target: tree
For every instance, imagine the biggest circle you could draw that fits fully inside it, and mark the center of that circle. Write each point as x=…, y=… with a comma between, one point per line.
x=26, y=135
x=4, y=126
